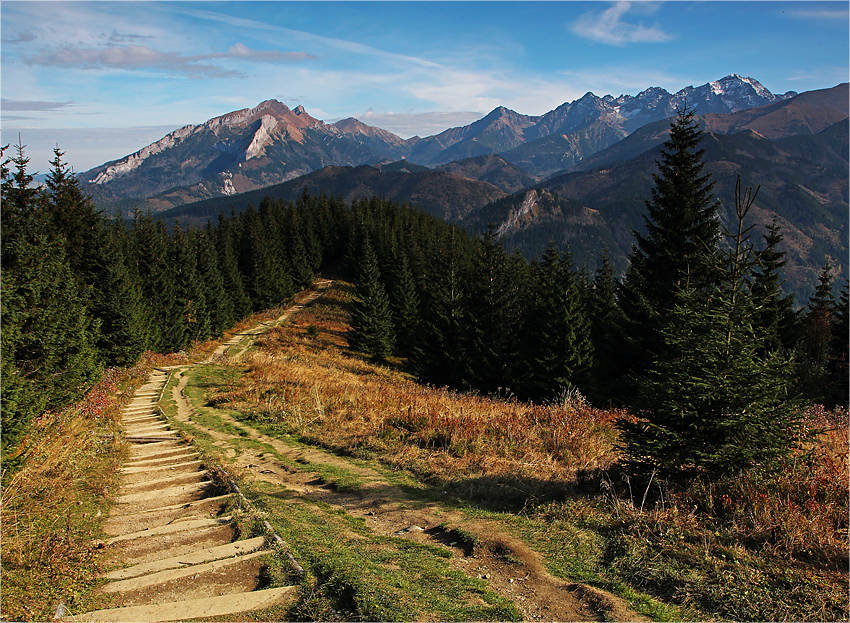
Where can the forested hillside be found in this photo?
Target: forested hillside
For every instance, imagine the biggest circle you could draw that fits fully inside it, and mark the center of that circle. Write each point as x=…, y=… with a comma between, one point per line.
x=82, y=292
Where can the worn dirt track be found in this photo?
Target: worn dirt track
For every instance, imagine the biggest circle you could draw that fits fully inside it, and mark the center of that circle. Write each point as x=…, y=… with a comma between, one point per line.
x=177, y=557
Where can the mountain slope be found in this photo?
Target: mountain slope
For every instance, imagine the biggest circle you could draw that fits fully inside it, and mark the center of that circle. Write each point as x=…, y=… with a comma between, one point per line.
x=445, y=195
x=270, y=144
x=807, y=113
x=803, y=181
x=240, y=151
x=574, y=130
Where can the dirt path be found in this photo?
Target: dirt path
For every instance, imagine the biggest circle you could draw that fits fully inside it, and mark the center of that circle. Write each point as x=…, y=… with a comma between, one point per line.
x=177, y=557
x=175, y=554
x=512, y=568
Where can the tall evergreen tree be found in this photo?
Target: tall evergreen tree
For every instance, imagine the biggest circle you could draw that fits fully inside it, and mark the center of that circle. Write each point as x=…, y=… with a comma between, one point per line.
x=404, y=304
x=227, y=236
x=775, y=318
x=711, y=405
x=816, y=341
x=152, y=255
x=493, y=317
x=440, y=356
x=219, y=305
x=840, y=345
x=678, y=250
x=606, y=338
x=117, y=301
x=371, y=329
x=48, y=354
x=557, y=345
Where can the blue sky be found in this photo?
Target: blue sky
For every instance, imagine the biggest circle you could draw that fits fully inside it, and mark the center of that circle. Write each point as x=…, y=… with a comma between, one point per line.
x=104, y=79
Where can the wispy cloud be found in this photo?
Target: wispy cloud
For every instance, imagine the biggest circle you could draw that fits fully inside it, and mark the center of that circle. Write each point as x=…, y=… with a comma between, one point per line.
x=609, y=27
x=838, y=15
x=24, y=37
x=32, y=106
x=134, y=57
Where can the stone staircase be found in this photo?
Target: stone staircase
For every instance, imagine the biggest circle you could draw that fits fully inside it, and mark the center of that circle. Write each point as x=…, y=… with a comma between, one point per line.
x=177, y=556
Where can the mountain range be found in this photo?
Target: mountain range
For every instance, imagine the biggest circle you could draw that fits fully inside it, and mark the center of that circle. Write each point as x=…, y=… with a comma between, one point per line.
x=578, y=174
x=270, y=144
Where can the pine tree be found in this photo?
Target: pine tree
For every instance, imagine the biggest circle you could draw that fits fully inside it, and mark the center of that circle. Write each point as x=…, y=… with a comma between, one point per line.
x=404, y=304
x=606, y=339
x=840, y=344
x=190, y=302
x=117, y=302
x=493, y=317
x=48, y=353
x=371, y=330
x=816, y=341
x=227, y=236
x=678, y=250
x=219, y=305
x=775, y=318
x=557, y=348
x=711, y=405
x=440, y=356
x=152, y=255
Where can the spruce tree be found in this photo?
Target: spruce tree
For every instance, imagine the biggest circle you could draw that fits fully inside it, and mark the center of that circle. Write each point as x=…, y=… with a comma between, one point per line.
x=371, y=330
x=117, y=301
x=219, y=305
x=816, y=341
x=48, y=354
x=557, y=345
x=606, y=338
x=711, y=405
x=404, y=304
x=227, y=237
x=775, y=318
x=493, y=318
x=677, y=251
x=440, y=356
x=152, y=255
x=840, y=344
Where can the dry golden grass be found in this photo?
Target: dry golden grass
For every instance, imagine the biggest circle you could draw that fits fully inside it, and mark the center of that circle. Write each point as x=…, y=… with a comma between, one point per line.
x=312, y=386
x=52, y=506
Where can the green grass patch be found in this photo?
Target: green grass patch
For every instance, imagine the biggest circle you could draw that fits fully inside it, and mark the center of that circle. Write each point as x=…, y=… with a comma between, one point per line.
x=353, y=574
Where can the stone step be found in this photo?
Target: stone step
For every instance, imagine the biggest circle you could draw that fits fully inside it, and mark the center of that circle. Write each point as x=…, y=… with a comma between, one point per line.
x=161, y=458
x=169, y=575
x=164, y=494
x=178, y=526
x=147, y=469
x=192, y=609
x=177, y=562
x=170, y=480
x=136, y=520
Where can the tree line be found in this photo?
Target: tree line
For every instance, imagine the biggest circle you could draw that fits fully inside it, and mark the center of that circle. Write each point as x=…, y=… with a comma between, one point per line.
x=697, y=337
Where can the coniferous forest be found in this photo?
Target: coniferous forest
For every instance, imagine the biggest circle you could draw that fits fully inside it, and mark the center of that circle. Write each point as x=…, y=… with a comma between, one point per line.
x=697, y=339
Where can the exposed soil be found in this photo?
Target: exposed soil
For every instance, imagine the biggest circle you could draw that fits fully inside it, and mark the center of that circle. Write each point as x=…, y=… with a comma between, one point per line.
x=511, y=567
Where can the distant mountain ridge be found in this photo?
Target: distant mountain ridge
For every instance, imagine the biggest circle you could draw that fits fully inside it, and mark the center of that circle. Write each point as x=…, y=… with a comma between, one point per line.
x=270, y=144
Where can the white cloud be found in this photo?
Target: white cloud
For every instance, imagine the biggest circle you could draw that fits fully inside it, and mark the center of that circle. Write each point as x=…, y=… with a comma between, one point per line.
x=32, y=106
x=134, y=57
x=609, y=27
